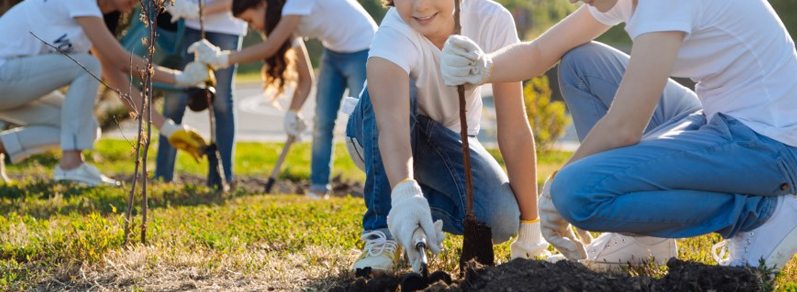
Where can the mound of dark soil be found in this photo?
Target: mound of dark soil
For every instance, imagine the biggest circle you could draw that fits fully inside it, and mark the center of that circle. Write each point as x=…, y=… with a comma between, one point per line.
x=533, y=275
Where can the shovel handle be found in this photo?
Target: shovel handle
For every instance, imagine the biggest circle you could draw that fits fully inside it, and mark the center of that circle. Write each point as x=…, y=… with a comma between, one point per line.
x=419, y=240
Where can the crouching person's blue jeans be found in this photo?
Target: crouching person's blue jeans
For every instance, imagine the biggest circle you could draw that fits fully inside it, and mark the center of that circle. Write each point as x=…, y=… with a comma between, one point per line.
x=689, y=175
x=438, y=168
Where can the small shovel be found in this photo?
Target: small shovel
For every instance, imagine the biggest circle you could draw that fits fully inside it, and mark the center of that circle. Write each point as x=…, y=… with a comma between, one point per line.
x=477, y=243
x=418, y=281
x=276, y=171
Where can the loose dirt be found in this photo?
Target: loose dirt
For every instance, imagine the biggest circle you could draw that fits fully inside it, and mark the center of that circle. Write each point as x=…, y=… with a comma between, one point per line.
x=534, y=275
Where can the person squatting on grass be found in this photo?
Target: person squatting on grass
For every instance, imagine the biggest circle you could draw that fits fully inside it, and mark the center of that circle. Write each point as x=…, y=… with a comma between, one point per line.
x=225, y=31
x=32, y=72
x=405, y=130
x=344, y=28
x=657, y=159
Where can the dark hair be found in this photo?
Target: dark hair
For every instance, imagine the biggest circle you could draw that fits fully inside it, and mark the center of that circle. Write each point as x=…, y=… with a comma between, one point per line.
x=275, y=70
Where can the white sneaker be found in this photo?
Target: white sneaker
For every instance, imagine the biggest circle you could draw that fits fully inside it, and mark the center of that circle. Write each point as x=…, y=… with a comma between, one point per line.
x=85, y=174
x=3, y=176
x=380, y=254
x=775, y=241
x=317, y=195
x=611, y=251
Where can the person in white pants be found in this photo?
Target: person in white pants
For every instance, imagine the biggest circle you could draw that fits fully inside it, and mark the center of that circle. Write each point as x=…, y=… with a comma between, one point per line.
x=31, y=72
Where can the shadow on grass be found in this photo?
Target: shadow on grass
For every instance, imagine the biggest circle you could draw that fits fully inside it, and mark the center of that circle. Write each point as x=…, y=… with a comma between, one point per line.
x=42, y=199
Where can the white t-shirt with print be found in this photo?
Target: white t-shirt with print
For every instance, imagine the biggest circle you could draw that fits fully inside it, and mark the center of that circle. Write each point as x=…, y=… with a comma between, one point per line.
x=343, y=26
x=485, y=22
x=51, y=20
x=738, y=52
x=222, y=22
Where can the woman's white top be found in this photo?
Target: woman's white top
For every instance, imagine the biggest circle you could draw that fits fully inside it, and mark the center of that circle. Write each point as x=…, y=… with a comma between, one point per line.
x=222, y=22
x=342, y=26
x=738, y=52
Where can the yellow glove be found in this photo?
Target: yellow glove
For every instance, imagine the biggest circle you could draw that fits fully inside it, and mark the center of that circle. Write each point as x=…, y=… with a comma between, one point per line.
x=184, y=138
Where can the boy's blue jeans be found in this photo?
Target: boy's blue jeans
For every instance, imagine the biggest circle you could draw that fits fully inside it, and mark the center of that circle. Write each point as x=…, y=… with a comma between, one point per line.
x=338, y=71
x=174, y=106
x=439, y=169
x=687, y=176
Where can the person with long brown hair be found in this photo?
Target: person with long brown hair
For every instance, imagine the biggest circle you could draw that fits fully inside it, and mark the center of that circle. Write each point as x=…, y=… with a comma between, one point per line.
x=344, y=28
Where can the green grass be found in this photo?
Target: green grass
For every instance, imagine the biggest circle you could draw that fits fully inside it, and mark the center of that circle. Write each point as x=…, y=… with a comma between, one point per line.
x=67, y=237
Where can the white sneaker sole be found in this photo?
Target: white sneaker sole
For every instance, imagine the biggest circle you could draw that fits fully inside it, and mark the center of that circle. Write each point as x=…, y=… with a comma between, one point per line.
x=87, y=182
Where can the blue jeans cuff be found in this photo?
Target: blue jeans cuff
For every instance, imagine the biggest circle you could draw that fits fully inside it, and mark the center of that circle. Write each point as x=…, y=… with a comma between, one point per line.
x=320, y=188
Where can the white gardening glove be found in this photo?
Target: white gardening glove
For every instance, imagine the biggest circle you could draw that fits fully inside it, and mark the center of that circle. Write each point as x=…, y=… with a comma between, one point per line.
x=205, y=52
x=194, y=73
x=529, y=242
x=410, y=210
x=294, y=124
x=556, y=229
x=182, y=9
x=463, y=62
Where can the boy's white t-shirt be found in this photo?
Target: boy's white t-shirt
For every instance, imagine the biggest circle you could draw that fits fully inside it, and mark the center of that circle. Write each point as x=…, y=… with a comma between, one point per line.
x=738, y=52
x=51, y=20
x=343, y=26
x=222, y=22
x=485, y=22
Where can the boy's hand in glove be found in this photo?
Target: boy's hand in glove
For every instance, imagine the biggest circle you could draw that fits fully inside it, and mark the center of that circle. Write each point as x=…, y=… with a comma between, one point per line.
x=529, y=242
x=409, y=211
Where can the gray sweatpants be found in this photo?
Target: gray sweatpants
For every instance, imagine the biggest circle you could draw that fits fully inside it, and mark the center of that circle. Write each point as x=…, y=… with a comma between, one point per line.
x=29, y=98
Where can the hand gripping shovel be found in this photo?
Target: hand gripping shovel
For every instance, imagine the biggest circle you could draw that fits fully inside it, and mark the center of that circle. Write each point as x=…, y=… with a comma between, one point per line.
x=276, y=171
x=478, y=243
x=418, y=281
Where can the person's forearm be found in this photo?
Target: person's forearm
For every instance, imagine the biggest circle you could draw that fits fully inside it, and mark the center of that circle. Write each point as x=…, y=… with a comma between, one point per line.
x=516, y=142
x=139, y=65
x=218, y=6
x=519, y=62
x=604, y=136
x=270, y=45
x=394, y=144
x=300, y=94
x=519, y=152
x=120, y=81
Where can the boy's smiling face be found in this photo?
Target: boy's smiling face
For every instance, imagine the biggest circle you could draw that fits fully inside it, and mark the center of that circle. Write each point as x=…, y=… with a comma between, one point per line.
x=433, y=19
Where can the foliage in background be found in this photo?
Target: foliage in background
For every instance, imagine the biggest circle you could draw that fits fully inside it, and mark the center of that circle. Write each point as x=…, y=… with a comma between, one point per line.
x=547, y=118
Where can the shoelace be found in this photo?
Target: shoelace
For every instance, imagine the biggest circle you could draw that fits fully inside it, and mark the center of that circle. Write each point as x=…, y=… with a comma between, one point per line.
x=738, y=246
x=376, y=243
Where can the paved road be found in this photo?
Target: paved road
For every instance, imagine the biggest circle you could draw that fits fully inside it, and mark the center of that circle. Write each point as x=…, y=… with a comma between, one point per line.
x=259, y=120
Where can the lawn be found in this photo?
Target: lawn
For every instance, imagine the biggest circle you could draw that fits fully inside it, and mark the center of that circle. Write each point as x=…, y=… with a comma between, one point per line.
x=67, y=237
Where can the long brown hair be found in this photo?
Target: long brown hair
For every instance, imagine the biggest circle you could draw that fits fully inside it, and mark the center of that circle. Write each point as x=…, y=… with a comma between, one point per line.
x=276, y=68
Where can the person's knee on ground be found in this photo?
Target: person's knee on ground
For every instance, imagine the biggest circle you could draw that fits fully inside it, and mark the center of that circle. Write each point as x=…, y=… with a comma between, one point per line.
x=570, y=198
x=503, y=219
